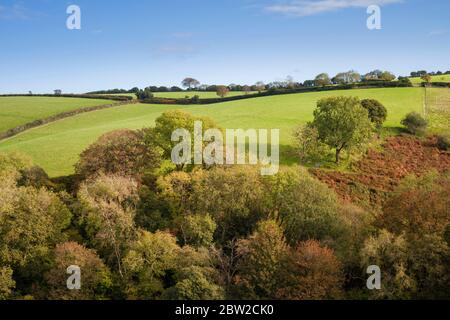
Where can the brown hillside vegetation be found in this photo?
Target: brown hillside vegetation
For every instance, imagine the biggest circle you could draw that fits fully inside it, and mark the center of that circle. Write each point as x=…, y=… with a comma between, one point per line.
x=378, y=173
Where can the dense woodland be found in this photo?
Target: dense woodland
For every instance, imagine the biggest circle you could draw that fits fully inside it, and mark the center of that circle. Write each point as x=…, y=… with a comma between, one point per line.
x=141, y=228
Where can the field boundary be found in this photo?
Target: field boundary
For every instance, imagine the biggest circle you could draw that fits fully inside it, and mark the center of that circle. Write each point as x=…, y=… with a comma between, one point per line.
x=84, y=96
x=204, y=101
x=40, y=122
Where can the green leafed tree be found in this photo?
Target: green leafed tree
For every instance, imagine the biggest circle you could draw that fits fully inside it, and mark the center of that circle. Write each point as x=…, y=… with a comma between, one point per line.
x=377, y=112
x=150, y=257
x=322, y=80
x=7, y=284
x=342, y=123
x=306, y=208
x=168, y=123
x=190, y=83
x=197, y=230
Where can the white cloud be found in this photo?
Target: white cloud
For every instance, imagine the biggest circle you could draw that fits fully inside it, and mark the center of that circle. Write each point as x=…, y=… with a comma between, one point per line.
x=303, y=8
x=14, y=12
x=436, y=33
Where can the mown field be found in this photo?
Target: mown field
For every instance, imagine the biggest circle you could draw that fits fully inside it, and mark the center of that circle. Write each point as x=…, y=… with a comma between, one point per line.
x=16, y=111
x=56, y=146
x=441, y=78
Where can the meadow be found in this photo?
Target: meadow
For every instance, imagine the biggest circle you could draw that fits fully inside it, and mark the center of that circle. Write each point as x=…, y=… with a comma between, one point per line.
x=16, y=111
x=441, y=78
x=56, y=146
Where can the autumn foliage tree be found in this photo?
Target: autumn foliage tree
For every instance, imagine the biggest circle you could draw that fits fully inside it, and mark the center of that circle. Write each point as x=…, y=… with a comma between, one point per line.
x=310, y=272
x=96, y=278
x=31, y=222
x=416, y=219
x=123, y=152
x=107, y=216
x=262, y=254
x=270, y=269
x=222, y=91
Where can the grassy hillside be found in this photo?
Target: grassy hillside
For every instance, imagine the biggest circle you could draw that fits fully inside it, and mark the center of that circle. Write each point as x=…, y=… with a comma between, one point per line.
x=56, y=146
x=16, y=111
x=441, y=78
x=438, y=109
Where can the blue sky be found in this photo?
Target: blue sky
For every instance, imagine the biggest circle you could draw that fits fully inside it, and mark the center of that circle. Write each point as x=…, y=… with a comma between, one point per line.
x=130, y=43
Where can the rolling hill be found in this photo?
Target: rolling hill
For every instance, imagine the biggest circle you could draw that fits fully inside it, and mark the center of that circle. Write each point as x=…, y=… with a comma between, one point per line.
x=16, y=111
x=56, y=146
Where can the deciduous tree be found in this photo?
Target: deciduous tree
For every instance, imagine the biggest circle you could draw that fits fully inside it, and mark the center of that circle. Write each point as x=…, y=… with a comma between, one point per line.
x=342, y=123
x=96, y=278
x=107, y=215
x=222, y=91
x=190, y=83
x=123, y=152
x=377, y=112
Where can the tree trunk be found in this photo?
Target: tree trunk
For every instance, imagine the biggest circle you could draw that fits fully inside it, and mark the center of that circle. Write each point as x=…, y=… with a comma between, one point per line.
x=338, y=155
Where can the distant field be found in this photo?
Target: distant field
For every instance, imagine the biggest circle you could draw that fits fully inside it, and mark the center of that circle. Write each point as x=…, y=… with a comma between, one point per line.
x=16, y=111
x=441, y=78
x=56, y=146
x=201, y=94
x=184, y=94
x=132, y=95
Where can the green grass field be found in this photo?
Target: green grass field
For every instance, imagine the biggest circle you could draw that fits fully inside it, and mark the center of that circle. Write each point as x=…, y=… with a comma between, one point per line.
x=438, y=109
x=183, y=94
x=16, y=111
x=441, y=78
x=56, y=146
x=201, y=94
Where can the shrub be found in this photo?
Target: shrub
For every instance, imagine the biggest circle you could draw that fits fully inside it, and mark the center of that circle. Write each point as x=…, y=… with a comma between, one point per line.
x=308, y=144
x=415, y=123
x=144, y=94
x=377, y=112
x=443, y=141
